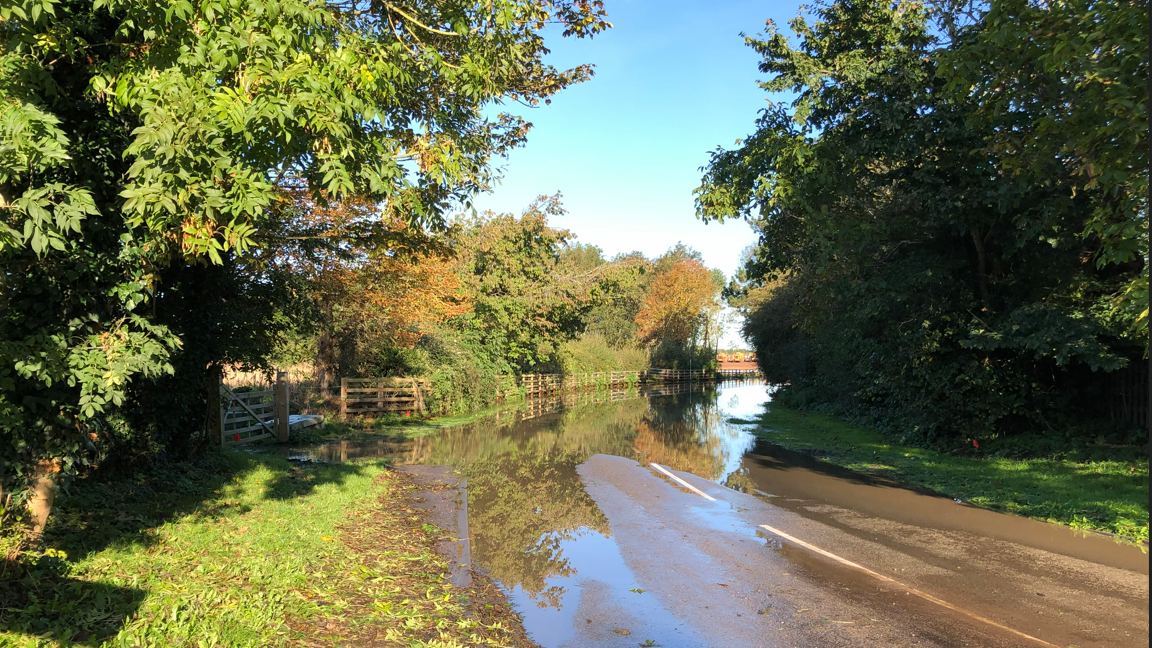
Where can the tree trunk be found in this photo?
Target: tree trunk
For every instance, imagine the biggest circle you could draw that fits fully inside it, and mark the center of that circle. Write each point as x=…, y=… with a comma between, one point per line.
x=42, y=488
x=326, y=355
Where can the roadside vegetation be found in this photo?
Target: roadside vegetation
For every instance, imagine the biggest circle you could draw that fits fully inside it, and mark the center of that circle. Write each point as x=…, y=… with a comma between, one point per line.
x=257, y=185
x=496, y=295
x=1094, y=488
x=953, y=233
x=239, y=549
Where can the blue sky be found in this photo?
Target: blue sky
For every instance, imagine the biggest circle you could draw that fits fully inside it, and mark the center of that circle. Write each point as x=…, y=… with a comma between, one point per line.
x=673, y=81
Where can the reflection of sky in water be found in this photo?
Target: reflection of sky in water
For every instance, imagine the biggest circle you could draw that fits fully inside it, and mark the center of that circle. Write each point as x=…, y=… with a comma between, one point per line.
x=596, y=562
x=743, y=401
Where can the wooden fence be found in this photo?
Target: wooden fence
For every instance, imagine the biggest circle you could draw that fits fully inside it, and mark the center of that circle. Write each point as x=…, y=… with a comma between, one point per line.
x=360, y=396
x=676, y=375
x=602, y=379
x=374, y=396
x=542, y=384
x=252, y=415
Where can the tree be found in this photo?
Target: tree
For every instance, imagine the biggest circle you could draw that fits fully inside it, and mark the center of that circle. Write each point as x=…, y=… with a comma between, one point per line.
x=371, y=279
x=937, y=282
x=614, y=318
x=1068, y=81
x=527, y=302
x=682, y=307
x=144, y=139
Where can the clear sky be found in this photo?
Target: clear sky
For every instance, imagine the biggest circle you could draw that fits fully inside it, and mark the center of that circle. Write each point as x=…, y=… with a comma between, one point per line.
x=673, y=81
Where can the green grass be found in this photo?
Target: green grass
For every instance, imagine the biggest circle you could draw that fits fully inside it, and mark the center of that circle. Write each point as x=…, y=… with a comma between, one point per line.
x=239, y=550
x=1103, y=495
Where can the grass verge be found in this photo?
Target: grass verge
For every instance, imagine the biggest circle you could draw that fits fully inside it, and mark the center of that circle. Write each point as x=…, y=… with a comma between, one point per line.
x=241, y=550
x=1105, y=495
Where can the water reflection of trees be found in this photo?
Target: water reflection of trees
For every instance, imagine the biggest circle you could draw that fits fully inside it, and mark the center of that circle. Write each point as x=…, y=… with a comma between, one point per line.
x=525, y=497
x=690, y=435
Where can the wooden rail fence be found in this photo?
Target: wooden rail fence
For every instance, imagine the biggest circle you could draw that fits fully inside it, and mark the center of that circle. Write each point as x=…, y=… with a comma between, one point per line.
x=371, y=396
x=542, y=384
x=360, y=396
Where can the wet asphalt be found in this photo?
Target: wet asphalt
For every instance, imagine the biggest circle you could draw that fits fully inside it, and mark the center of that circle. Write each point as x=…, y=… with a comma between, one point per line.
x=680, y=570
x=755, y=545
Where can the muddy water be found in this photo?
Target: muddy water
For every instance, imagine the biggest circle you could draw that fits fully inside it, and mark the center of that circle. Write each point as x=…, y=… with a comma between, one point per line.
x=536, y=530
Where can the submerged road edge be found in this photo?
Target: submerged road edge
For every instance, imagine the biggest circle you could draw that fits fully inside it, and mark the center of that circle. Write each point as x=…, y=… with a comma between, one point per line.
x=909, y=589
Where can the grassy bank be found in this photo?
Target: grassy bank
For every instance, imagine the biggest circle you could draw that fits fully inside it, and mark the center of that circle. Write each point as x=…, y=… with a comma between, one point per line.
x=242, y=550
x=1104, y=495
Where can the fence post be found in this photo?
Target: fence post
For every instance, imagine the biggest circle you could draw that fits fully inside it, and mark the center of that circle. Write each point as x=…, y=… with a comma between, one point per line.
x=417, y=397
x=343, y=399
x=216, y=403
x=280, y=406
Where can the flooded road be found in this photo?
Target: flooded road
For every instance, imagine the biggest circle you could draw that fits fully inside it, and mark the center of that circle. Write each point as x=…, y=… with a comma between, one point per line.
x=625, y=519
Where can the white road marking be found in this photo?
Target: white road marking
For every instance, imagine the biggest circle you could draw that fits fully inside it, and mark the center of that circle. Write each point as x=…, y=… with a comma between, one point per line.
x=683, y=483
x=912, y=590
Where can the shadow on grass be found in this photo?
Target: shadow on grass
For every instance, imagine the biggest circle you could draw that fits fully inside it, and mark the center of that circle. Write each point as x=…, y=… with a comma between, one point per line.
x=41, y=596
x=37, y=599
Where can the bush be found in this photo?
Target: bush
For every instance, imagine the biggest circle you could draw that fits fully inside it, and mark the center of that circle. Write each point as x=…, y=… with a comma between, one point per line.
x=591, y=353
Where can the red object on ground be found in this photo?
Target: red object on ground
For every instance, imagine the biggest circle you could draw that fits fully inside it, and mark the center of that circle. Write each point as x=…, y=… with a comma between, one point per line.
x=236, y=437
x=975, y=443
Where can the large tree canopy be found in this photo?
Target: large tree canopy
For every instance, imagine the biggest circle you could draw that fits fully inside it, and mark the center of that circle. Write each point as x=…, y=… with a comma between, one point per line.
x=226, y=99
x=143, y=148
x=952, y=214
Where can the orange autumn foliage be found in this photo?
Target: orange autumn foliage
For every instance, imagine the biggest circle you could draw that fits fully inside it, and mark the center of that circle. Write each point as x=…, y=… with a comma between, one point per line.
x=677, y=303
x=371, y=274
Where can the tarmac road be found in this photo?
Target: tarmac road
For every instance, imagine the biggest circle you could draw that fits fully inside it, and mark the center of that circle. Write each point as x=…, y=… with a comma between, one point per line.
x=691, y=563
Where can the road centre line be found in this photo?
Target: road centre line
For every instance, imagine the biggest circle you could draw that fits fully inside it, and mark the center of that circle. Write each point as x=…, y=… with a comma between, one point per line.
x=911, y=590
x=683, y=483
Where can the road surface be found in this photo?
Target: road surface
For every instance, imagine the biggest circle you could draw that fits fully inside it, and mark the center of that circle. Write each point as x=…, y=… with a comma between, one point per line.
x=689, y=562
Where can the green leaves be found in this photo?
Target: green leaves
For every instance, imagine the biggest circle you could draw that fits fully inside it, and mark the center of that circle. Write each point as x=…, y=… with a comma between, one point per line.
x=1068, y=81
x=49, y=213
x=991, y=187
x=29, y=10
x=41, y=216
x=143, y=144
x=234, y=99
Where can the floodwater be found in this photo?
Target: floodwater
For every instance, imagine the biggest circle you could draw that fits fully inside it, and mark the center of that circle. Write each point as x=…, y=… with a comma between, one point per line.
x=535, y=527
